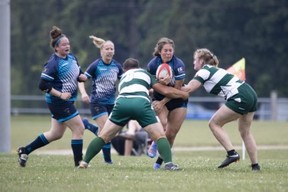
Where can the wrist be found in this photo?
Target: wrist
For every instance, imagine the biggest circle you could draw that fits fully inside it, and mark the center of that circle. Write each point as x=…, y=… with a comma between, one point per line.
x=60, y=95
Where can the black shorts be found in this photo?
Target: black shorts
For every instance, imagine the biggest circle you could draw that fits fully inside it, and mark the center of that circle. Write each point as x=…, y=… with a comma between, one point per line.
x=63, y=111
x=176, y=103
x=172, y=104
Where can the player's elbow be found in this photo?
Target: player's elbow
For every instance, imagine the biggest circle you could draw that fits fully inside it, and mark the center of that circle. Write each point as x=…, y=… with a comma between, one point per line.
x=44, y=86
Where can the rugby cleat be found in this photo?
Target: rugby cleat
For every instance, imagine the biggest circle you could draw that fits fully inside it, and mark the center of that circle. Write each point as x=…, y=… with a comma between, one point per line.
x=23, y=157
x=229, y=159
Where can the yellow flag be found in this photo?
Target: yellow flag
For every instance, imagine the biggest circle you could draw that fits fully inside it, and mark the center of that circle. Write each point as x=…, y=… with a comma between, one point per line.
x=238, y=69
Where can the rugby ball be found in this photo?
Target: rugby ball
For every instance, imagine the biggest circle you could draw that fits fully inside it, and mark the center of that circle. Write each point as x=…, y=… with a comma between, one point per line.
x=163, y=71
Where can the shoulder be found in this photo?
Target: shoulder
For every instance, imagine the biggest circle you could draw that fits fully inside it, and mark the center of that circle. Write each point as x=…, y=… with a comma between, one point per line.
x=154, y=62
x=118, y=64
x=95, y=63
x=153, y=65
x=72, y=56
x=205, y=72
x=178, y=61
x=178, y=64
x=52, y=61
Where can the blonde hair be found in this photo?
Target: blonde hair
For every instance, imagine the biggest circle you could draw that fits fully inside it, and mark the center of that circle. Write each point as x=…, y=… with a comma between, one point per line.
x=98, y=42
x=207, y=56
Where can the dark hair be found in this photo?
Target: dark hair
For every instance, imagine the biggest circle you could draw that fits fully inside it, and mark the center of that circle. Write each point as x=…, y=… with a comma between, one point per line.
x=55, y=35
x=130, y=63
x=160, y=44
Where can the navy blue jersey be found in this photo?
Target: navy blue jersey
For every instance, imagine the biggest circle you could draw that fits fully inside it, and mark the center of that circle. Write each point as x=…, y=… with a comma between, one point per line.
x=104, y=77
x=62, y=73
x=175, y=63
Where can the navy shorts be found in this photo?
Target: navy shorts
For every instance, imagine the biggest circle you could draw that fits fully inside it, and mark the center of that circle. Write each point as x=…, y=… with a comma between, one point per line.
x=98, y=110
x=63, y=111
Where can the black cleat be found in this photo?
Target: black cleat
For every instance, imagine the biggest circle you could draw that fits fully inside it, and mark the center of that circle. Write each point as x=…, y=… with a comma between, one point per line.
x=23, y=157
x=256, y=167
x=172, y=167
x=230, y=159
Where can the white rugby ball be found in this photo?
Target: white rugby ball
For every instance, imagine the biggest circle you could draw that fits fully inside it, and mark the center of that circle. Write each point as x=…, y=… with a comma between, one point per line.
x=164, y=71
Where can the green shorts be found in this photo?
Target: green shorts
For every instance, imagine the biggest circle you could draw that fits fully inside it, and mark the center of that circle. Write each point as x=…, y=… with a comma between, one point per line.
x=244, y=101
x=135, y=108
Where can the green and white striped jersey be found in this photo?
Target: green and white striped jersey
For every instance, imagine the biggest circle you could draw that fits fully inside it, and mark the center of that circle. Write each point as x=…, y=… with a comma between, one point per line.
x=136, y=83
x=218, y=81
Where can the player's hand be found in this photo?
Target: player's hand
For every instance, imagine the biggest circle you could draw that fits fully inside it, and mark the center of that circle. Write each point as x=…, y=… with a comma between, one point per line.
x=65, y=96
x=158, y=106
x=85, y=98
x=82, y=78
x=185, y=88
x=165, y=80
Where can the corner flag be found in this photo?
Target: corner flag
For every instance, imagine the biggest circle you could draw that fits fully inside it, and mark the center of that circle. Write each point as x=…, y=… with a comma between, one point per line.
x=238, y=69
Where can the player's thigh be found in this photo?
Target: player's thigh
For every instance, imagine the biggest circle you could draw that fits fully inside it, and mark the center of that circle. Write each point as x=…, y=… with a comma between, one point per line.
x=176, y=118
x=223, y=115
x=155, y=130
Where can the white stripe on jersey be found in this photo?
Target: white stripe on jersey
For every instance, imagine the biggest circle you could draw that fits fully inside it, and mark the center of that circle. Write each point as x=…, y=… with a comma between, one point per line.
x=210, y=83
x=232, y=87
x=227, y=90
x=135, y=74
x=134, y=88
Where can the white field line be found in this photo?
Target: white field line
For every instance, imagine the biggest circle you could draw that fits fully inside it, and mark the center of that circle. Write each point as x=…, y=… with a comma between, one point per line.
x=202, y=148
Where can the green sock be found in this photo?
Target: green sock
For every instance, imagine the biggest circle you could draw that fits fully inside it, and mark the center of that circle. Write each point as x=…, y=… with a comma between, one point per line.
x=164, y=149
x=93, y=149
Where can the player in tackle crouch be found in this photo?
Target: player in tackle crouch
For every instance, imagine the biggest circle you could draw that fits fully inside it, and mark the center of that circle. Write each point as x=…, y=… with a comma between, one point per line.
x=241, y=101
x=133, y=102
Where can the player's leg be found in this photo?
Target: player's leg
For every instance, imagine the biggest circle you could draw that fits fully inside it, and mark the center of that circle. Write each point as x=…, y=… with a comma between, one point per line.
x=56, y=132
x=157, y=134
x=162, y=115
x=216, y=123
x=77, y=128
x=248, y=139
x=106, y=134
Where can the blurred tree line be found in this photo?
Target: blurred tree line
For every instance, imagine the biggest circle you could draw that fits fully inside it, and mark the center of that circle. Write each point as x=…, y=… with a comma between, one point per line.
x=232, y=29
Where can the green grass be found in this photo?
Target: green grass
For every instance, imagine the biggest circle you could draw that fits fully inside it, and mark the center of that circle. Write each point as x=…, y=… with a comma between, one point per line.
x=56, y=172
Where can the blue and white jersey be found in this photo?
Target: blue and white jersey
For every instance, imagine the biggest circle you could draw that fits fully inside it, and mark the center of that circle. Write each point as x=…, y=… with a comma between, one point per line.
x=62, y=73
x=104, y=77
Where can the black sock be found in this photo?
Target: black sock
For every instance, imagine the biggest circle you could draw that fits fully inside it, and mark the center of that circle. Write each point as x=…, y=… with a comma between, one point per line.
x=232, y=152
x=107, y=152
x=159, y=160
x=40, y=141
x=91, y=127
x=77, y=146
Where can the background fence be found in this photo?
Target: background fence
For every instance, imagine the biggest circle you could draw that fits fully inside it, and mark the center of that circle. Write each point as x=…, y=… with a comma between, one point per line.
x=272, y=108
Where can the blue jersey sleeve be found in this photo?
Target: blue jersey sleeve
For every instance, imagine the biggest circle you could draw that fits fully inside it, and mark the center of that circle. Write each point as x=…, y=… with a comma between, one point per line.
x=91, y=71
x=120, y=70
x=178, y=68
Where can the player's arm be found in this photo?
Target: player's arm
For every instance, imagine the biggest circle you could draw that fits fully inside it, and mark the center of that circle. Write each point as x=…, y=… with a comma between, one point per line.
x=192, y=86
x=178, y=85
x=170, y=92
x=46, y=86
x=84, y=95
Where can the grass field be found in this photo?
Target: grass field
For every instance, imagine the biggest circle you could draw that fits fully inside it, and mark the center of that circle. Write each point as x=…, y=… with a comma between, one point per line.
x=56, y=172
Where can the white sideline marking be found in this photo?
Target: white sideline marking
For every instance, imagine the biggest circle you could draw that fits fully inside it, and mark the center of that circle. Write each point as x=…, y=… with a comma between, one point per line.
x=207, y=148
